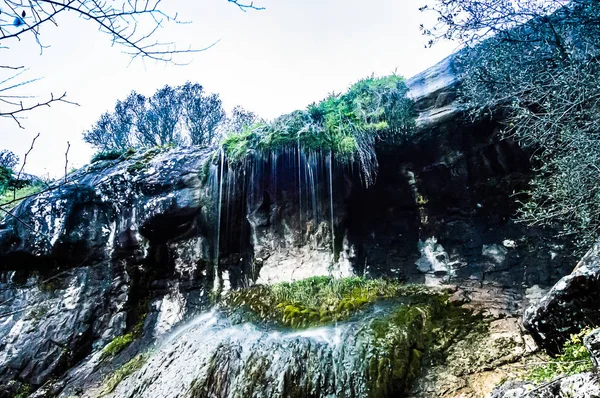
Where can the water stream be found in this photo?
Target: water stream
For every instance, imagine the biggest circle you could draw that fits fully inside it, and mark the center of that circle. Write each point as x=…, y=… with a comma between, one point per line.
x=213, y=357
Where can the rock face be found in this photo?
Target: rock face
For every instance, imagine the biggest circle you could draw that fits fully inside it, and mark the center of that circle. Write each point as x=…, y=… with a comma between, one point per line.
x=572, y=304
x=584, y=385
x=142, y=242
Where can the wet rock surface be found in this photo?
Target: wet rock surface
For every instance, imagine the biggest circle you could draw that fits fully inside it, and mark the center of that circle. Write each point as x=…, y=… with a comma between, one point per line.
x=147, y=239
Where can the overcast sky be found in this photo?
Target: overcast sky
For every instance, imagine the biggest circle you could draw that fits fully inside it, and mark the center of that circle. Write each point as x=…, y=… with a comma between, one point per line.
x=270, y=62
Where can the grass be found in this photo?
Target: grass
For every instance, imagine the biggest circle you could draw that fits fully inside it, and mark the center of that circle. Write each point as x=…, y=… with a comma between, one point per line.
x=315, y=301
x=573, y=359
x=112, y=154
x=7, y=198
x=345, y=124
x=112, y=381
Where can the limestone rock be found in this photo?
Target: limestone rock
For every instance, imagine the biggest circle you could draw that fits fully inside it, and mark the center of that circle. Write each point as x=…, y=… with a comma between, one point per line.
x=572, y=304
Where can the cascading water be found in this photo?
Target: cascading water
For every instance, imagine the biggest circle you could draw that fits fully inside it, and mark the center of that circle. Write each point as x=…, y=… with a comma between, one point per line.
x=213, y=357
x=280, y=201
x=330, y=172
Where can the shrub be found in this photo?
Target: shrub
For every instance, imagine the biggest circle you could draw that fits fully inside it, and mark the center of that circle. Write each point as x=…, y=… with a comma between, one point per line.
x=574, y=359
x=346, y=125
x=112, y=155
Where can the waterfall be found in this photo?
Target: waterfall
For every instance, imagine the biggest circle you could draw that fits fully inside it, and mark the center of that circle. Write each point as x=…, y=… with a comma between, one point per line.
x=330, y=172
x=221, y=179
x=214, y=357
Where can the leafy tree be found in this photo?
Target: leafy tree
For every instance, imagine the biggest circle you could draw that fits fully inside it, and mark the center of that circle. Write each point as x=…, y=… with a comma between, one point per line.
x=203, y=113
x=172, y=116
x=534, y=66
x=8, y=159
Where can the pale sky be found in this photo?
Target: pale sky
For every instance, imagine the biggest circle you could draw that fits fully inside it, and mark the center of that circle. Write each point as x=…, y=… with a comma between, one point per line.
x=270, y=62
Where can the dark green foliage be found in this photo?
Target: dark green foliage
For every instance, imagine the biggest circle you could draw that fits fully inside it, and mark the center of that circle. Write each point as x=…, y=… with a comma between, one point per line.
x=6, y=179
x=24, y=391
x=112, y=154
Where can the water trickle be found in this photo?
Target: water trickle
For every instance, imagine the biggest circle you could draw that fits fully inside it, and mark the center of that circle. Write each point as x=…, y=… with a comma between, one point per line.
x=330, y=172
x=213, y=357
x=221, y=179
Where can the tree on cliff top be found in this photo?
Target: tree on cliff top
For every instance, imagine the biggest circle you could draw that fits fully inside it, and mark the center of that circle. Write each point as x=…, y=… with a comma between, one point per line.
x=133, y=25
x=534, y=66
x=171, y=116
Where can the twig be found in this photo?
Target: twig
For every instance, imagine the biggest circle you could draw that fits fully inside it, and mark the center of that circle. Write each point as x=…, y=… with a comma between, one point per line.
x=24, y=162
x=67, y=159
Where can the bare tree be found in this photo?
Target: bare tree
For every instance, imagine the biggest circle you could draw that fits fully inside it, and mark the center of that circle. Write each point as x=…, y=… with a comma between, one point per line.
x=130, y=24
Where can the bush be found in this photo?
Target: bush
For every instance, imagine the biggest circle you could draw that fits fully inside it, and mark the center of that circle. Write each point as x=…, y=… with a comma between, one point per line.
x=112, y=155
x=347, y=125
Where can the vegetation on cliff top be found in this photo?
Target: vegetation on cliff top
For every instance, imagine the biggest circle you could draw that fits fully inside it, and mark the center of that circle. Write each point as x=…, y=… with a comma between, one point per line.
x=345, y=124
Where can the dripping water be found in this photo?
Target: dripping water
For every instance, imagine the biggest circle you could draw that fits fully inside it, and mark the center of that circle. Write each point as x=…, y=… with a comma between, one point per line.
x=330, y=169
x=217, y=283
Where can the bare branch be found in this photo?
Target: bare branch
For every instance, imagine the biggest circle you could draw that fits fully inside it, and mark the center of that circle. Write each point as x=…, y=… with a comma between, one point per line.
x=245, y=7
x=67, y=159
x=24, y=163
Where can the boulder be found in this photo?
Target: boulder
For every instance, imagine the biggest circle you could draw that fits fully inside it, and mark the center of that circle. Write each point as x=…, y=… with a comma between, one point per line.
x=572, y=304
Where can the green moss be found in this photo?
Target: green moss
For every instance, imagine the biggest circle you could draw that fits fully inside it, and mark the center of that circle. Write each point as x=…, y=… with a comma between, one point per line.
x=423, y=327
x=117, y=345
x=416, y=324
x=315, y=301
x=112, y=381
x=204, y=171
x=573, y=359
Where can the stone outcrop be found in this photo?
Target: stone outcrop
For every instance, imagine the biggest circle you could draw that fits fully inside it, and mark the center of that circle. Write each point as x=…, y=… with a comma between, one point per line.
x=572, y=304
x=140, y=243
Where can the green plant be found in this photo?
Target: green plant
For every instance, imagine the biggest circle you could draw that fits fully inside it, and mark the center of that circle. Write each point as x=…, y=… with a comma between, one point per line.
x=574, y=359
x=112, y=154
x=112, y=381
x=117, y=345
x=315, y=301
x=24, y=391
x=346, y=125
x=7, y=198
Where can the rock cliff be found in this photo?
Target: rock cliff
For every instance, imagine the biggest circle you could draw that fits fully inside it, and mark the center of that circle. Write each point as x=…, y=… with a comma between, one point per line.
x=140, y=244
